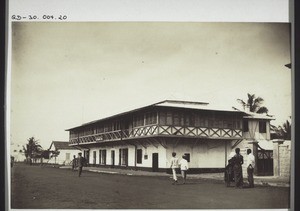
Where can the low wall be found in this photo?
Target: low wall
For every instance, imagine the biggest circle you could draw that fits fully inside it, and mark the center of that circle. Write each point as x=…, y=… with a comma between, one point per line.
x=282, y=158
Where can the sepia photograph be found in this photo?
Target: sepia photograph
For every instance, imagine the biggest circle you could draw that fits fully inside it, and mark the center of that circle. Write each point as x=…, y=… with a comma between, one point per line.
x=150, y=115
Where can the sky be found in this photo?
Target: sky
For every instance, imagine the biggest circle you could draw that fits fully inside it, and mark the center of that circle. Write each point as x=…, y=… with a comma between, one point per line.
x=66, y=74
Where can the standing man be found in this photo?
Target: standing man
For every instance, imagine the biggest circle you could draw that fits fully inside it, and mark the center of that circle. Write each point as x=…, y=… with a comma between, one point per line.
x=80, y=163
x=250, y=167
x=174, y=166
x=183, y=167
x=238, y=161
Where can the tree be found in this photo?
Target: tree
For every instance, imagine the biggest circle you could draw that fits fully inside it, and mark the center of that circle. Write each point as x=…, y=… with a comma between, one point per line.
x=33, y=148
x=254, y=104
x=282, y=132
x=286, y=130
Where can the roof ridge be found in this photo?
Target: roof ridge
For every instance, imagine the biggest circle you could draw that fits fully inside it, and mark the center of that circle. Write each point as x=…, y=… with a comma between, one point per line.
x=183, y=102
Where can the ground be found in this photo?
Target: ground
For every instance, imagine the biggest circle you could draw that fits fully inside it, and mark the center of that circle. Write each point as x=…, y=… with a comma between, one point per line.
x=53, y=188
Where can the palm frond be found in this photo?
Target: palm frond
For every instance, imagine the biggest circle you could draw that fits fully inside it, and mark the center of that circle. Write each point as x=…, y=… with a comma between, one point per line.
x=241, y=102
x=262, y=110
x=258, y=100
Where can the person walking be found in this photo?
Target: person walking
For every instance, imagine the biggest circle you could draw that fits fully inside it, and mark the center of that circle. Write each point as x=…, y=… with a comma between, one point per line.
x=238, y=161
x=80, y=163
x=250, y=167
x=74, y=163
x=174, y=166
x=183, y=167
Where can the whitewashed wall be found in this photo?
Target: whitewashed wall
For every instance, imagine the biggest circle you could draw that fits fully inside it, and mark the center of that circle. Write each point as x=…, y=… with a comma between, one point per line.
x=282, y=158
x=203, y=154
x=61, y=158
x=131, y=155
x=162, y=162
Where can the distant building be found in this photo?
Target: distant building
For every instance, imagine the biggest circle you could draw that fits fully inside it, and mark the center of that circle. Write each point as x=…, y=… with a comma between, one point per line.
x=61, y=153
x=145, y=138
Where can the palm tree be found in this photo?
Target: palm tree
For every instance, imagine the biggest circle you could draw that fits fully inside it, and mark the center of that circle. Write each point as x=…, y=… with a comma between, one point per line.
x=254, y=104
x=32, y=148
x=286, y=130
x=282, y=132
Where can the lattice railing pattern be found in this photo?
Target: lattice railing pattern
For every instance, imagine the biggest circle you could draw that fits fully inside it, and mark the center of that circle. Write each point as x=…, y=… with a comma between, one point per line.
x=154, y=130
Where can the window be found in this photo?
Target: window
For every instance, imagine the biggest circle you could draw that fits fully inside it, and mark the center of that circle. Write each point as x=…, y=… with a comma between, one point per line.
x=88, y=131
x=220, y=123
x=139, y=155
x=67, y=156
x=176, y=119
x=245, y=126
x=197, y=121
x=166, y=118
x=162, y=118
x=116, y=125
x=237, y=124
x=108, y=127
x=151, y=118
x=189, y=120
x=100, y=129
x=202, y=122
x=138, y=121
x=216, y=123
x=225, y=123
x=210, y=122
x=169, y=118
x=262, y=127
x=230, y=123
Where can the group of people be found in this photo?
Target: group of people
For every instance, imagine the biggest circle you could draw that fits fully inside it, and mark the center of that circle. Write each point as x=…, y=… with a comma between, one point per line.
x=236, y=163
x=78, y=163
x=183, y=164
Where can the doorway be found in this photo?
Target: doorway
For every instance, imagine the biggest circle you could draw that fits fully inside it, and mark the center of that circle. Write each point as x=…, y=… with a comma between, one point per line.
x=112, y=158
x=155, y=162
x=265, y=163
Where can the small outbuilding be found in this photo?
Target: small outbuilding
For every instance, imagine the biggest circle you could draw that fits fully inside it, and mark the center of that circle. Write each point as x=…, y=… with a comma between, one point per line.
x=61, y=153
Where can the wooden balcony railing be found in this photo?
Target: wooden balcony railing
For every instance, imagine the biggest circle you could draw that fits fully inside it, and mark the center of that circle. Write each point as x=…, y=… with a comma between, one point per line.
x=158, y=130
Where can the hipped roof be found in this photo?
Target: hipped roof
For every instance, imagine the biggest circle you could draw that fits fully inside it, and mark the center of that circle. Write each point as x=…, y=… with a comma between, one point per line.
x=175, y=104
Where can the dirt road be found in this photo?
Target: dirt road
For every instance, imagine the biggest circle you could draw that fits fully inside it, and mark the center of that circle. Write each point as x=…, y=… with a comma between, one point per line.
x=53, y=188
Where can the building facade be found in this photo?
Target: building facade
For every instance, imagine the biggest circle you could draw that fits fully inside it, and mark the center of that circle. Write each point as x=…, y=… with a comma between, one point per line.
x=61, y=153
x=145, y=138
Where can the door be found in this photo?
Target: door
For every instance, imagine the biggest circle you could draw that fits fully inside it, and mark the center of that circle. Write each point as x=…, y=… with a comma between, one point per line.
x=112, y=158
x=86, y=155
x=94, y=157
x=265, y=163
x=155, y=162
x=123, y=157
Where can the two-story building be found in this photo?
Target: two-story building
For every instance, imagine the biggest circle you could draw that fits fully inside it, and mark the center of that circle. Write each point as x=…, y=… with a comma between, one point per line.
x=256, y=132
x=145, y=138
